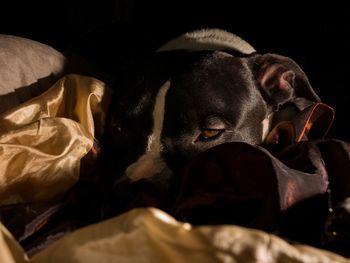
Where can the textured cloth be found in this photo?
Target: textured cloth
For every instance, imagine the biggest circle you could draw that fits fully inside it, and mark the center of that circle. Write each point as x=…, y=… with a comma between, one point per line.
x=43, y=140
x=150, y=235
x=27, y=69
x=208, y=39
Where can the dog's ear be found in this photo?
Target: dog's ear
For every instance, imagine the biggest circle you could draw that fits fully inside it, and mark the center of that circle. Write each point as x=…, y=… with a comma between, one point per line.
x=281, y=79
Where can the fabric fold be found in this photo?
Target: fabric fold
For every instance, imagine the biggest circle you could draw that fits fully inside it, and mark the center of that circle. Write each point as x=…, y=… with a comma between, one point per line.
x=43, y=140
x=149, y=235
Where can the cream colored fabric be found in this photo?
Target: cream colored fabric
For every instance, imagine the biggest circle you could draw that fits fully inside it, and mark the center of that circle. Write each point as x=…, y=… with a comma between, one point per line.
x=27, y=68
x=10, y=250
x=43, y=140
x=208, y=39
x=150, y=235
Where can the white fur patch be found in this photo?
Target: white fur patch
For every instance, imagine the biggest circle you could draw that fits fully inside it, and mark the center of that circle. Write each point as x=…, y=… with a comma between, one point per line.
x=150, y=163
x=208, y=39
x=266, y=126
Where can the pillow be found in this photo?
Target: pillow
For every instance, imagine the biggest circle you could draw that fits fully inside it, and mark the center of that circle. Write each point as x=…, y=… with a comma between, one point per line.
x=27, y=68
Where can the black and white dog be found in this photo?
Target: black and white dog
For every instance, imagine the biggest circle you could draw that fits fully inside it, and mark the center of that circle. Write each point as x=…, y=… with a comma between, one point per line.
x=202, y=89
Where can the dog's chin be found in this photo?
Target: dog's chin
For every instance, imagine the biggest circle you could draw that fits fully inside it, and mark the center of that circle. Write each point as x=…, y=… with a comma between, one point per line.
x=139, y=186
x=153, y=169
x=149, y=166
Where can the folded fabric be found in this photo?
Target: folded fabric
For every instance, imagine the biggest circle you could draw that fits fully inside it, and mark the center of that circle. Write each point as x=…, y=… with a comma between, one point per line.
x=10, y=250
x=150, y=235
x=43, y=140
x=291, y=193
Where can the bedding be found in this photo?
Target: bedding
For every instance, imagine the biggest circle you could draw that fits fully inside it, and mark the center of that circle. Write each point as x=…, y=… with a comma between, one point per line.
x=51, y=191
x=150, y=235
x=28, y=68
x=43, y=140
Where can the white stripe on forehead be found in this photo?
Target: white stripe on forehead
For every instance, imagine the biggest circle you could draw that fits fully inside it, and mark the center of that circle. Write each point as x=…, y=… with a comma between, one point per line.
x=266, y=126
x=158, y=119
x=150, y=163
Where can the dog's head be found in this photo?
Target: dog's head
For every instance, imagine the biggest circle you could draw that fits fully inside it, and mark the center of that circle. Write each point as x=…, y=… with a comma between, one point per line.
x=184, y=102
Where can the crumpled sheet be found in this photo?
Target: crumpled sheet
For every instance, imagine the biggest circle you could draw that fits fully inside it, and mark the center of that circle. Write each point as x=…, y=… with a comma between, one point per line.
x=150, y=235
x=43, y=140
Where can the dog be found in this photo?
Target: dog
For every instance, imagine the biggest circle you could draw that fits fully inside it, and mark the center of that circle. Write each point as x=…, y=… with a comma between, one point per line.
x=202, y=89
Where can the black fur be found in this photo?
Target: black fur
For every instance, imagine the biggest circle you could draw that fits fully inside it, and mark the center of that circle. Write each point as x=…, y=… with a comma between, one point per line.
x=209, y=90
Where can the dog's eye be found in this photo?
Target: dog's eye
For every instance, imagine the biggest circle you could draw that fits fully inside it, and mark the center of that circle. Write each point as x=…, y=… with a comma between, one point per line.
x=210, y=133
x=211, y=127
x=118, y=130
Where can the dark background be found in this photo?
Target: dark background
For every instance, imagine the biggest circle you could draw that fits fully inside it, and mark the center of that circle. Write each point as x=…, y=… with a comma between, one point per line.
x=315, y=35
